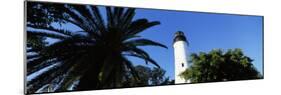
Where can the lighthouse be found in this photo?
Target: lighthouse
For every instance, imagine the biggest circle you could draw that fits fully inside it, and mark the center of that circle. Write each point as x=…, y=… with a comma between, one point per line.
x=180, y=44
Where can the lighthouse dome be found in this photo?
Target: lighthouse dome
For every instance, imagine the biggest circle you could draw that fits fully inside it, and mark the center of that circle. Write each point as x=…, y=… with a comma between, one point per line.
x=179, y=36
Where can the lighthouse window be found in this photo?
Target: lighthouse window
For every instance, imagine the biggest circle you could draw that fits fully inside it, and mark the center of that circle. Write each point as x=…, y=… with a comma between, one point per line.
x=182, y=64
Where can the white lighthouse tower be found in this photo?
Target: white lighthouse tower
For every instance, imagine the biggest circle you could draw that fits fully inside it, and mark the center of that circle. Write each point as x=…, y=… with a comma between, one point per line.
x=180, y=53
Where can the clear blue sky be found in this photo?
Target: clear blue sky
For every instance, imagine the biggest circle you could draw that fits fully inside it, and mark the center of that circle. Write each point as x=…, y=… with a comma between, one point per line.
x=205, y=31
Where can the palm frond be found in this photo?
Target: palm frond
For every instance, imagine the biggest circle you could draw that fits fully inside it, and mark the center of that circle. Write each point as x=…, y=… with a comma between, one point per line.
x=141, y=25
x=144, y=42
x=110, y=18
x=98, y=17
x=136, y=52
x=32, y=56
x=88, y=20
x=52, y=29
x=51, y=74
x=147, y=59
x=72, y=75
x=41, y=80
x=45, y=34
x=117, y=16
x=78, y=20
x=127, y=18
x=39, y=63
x=129, y=64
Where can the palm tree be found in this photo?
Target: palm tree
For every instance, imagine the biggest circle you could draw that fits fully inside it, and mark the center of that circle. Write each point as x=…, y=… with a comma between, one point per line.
x=96, y=57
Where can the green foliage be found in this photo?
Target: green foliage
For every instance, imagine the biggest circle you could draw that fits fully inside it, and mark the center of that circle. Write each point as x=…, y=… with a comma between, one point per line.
x=95, y=56
x=35, y=43
x=43, y=14
x=219, y=66
x=148, y=76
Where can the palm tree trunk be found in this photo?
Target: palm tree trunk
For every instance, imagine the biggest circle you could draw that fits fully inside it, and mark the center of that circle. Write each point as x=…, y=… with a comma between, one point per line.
x=90, y=80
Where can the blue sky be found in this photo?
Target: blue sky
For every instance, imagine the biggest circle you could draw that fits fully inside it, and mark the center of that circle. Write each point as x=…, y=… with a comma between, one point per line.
x=205, y=31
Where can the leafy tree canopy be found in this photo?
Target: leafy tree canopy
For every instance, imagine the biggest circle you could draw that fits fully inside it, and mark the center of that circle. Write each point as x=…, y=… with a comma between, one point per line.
x=149, y=76
x=220, y=66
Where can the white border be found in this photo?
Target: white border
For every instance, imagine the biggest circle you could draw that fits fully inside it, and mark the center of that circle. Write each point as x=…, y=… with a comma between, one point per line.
x=11, y=49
